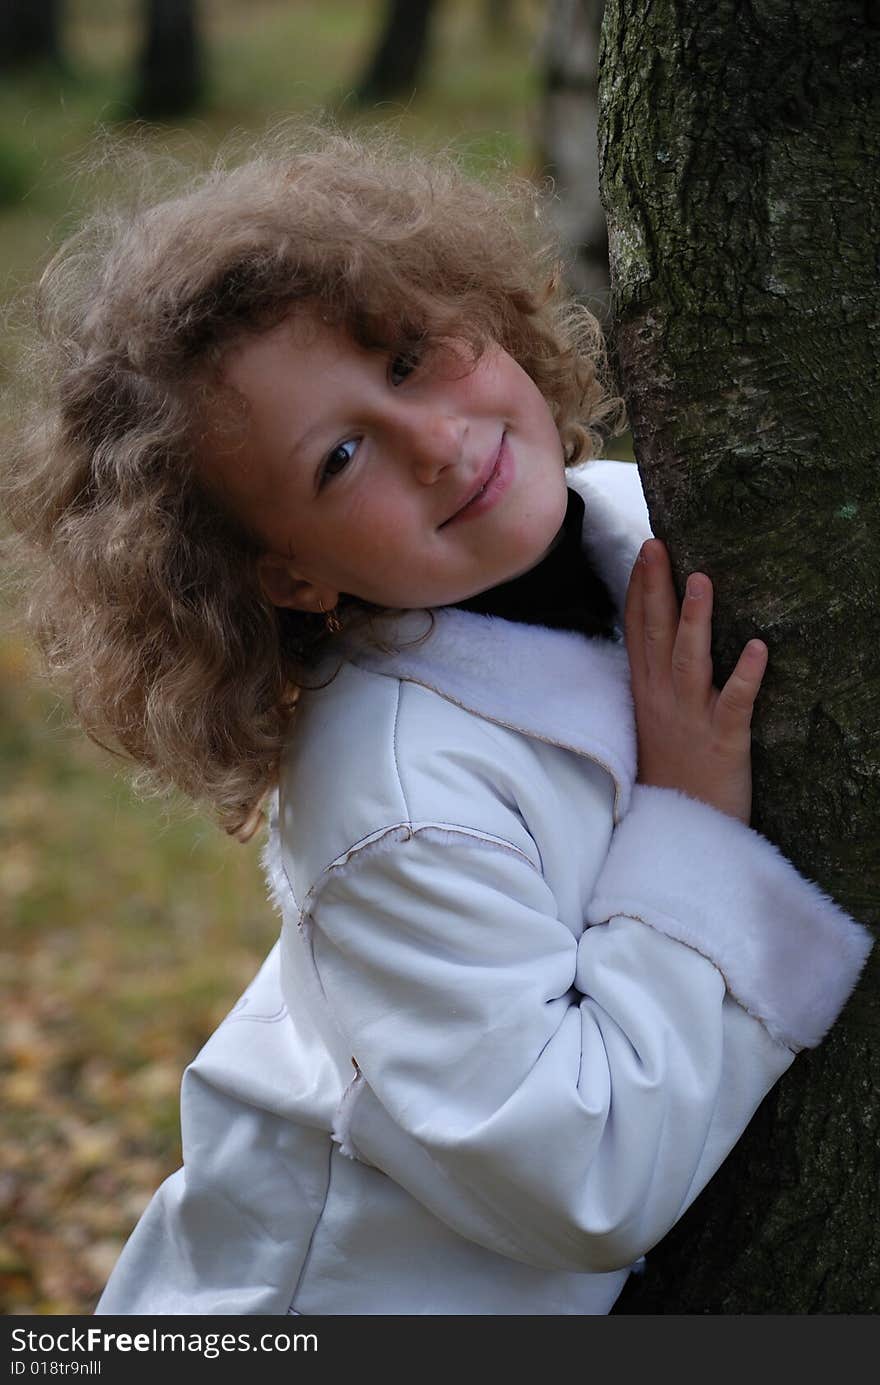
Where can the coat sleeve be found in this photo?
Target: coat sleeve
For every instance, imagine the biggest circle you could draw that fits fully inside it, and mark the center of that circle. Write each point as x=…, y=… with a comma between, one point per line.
x=559, y=1101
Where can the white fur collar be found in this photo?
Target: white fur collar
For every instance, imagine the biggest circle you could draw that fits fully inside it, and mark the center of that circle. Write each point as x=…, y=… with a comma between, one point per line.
x=555, y=685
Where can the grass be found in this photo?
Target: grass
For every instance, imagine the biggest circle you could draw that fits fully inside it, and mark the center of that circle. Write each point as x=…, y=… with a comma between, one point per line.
x=130, y=926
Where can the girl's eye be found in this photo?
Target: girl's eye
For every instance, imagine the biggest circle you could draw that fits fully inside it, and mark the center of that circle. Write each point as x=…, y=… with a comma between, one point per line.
x=338, y=459
x=402, y=365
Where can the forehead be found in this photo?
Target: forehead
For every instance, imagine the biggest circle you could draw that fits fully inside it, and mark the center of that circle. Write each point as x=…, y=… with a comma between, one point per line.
x=270, y=388
x=302, y=341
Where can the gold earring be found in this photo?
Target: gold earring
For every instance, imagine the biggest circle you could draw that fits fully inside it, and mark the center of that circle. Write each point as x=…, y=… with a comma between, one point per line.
x=331, y=620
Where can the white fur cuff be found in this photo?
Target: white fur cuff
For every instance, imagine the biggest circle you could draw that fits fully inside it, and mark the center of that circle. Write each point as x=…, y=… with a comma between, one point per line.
x=788, y=954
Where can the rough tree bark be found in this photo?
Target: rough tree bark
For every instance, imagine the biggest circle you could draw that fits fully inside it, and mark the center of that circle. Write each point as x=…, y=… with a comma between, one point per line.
x=29, y=33
x=740, y=165
x=170, y=66
x=568, y=141
x=400, y=54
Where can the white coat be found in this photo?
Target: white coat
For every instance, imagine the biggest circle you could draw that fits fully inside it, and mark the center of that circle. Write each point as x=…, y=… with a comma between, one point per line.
x=521, y=1007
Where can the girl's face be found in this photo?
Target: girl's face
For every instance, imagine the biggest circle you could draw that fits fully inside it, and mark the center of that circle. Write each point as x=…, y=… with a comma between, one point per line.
x=359, y=473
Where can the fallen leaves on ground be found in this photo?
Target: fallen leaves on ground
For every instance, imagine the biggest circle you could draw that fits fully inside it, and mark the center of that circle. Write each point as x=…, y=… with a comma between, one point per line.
x=129, y=930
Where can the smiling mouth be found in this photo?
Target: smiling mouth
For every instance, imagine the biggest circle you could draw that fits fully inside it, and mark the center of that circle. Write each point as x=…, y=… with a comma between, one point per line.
x=475, y=495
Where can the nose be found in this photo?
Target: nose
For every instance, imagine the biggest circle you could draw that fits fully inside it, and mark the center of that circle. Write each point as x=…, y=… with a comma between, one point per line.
x=432, y=439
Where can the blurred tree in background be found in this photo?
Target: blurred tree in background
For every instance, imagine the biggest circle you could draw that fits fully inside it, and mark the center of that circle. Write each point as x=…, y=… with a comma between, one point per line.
x=499, y=17
x=568, y=141
x=29, y=33
x=400, y=54
x=170, y=61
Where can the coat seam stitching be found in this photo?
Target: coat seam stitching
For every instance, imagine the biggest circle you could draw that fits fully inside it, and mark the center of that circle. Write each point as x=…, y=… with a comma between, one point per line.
x=308, y=1255
x=409, y=829
x=395, y=745
x=778, y=1037
x=409, y=676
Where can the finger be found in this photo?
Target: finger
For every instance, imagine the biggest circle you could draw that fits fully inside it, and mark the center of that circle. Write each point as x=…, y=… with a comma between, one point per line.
x=634, y=623
x=660, y=608
x=736, y=701
x=692, y=650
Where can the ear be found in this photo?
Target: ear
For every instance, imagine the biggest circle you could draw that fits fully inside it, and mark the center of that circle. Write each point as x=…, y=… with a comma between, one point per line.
x=284, y=586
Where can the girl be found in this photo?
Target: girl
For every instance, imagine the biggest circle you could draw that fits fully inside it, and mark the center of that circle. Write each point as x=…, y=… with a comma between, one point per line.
x=311, y=522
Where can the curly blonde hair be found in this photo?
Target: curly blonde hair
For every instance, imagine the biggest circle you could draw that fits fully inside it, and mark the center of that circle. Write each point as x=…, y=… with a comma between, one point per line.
x=143, y=590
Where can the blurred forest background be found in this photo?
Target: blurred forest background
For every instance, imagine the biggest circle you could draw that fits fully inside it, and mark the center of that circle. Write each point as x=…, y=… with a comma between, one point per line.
x=129, y=928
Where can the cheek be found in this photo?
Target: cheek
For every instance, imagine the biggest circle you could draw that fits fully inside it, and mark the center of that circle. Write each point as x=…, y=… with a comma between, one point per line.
x=524, y=399
x=378, y=535
x=539, y=410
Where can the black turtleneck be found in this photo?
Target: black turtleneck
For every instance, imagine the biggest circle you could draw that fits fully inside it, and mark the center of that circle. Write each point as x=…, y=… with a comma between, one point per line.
x=563, y=591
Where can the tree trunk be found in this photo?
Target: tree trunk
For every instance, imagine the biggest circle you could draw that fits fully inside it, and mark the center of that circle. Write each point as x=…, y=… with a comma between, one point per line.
x=568, y=142
x=740, y=161
x=170, y=67
x=400, y=54
x=500, y=17
x=29, y=33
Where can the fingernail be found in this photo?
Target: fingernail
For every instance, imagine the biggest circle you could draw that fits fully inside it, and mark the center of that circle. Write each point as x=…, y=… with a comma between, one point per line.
x=695, y=588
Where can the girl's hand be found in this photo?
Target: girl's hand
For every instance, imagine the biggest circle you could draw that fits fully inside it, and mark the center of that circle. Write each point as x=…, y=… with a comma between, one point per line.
x=690, y=736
